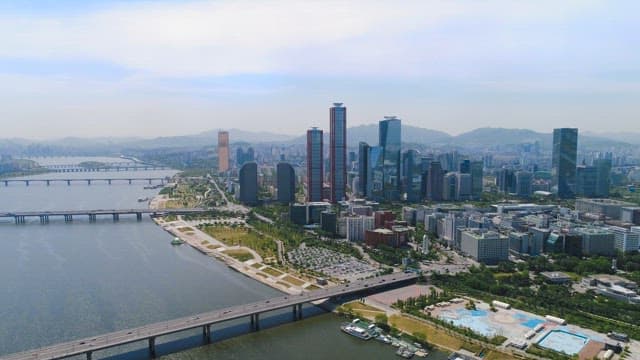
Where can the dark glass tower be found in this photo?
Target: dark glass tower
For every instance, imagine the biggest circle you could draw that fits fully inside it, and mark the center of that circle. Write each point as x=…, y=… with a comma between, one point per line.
x=315, y=171
x=338, y=151
x=412, y=175
x=563, y=161
x=363, y=162
x=286, y=183
x=390, y=141
x=249, y=183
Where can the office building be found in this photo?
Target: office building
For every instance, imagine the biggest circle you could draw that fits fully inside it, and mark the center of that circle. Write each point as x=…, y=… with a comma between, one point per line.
x=243, y=157
x=524, y=181
x=603, y=177
x=375, y=174
x=563, y=161
x=586, y=180
x=450, y=187
x=315, y=173
x=485, y=247
x=625, y=239
x=223, y=151
x=412, y=175
x=338, y=152
x=249, y=183
x=597, y=241
x=602, y=207
x=363, y=156
x=435, y=181
x=506, y=181
x=390, y=139
x=476, y=179
x=286, y=183
x=463, y=187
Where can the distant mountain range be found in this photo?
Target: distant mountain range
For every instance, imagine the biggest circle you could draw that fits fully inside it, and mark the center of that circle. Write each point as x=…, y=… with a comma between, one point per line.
x=481, y=137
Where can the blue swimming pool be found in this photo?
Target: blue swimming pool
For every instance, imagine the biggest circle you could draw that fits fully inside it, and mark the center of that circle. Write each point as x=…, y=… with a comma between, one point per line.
x=475, y=320
x=528, y=321
x=564, y=341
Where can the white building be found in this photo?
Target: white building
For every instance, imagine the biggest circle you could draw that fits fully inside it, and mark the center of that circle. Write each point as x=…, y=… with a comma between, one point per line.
x=353, y=227
x=626, y=240
x=487, y=247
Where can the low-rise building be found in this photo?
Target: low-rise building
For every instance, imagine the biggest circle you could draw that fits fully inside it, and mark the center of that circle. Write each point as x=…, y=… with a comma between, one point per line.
x=487, y=247
x=556, y=277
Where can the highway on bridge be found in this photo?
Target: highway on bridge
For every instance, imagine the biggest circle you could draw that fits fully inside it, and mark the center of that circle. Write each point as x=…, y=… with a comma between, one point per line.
x=205, y=320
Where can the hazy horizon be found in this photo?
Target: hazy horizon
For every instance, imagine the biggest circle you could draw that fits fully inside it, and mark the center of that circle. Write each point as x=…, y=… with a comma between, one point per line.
x=147, y=69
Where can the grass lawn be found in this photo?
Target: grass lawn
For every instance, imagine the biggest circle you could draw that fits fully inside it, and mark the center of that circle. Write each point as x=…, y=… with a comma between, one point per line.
x=283, y=284
x=256, y=265
x=313, y=287
x=358, y=306
x=244, y=237
x=292, y=280
x=185, y=228
x=212, y=247
x=273, y=272
x=241, y=255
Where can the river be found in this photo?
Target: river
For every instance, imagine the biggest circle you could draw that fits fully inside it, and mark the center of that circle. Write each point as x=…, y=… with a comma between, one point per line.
x=63, y=281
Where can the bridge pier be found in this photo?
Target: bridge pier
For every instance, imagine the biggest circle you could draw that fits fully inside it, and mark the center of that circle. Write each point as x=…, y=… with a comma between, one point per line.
x=68, y=218
x=116, y=217
x=6, y=183
x=44, y=219
x=20, y=219
x=149, y=181
x=152, y=347
x=92, y=217
x=299, y=311
x=109, y=181
x=26, y=182
x=255, y=322
x=88, y=181
x=48, y=182
x=129, y=181
x=206, y=333
x=139, y=216
x=89, y=353
x=68, y=182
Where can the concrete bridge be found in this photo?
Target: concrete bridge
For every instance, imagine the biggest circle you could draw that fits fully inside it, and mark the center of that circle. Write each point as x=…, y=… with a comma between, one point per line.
x=109, y=167
x=20, y=217
x=150, y=333
x=109, y=181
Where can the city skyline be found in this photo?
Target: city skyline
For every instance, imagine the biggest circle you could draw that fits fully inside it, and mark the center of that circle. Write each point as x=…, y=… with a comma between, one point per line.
x=102, y=68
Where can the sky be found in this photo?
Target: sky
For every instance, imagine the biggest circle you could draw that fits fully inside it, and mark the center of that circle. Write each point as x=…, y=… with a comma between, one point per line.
x=160, y=68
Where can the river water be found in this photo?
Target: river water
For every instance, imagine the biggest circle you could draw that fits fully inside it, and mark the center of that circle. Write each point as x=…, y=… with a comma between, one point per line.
x=60, y=282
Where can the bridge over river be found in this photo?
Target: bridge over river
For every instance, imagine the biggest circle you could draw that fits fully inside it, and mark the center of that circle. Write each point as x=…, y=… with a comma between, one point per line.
x=88, y=181
x=21, y=216
x=151, y=332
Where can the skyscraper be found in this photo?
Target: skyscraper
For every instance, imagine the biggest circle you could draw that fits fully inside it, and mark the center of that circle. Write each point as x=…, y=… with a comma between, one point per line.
x=223, y=151
x=363, y=156
x=338, y=151
x=315, y=173
x=286, y=183
x=476, y=179
x=375, y=173
x=524, y=181
x=603, y=169
x=435, y=178
x=563, y=161
x=249, y=183
x=412, y=175
x=390, y=138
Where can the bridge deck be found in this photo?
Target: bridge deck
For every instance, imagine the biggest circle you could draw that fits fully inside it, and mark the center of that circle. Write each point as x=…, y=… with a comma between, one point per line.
x=104, y=212
x=122, y=337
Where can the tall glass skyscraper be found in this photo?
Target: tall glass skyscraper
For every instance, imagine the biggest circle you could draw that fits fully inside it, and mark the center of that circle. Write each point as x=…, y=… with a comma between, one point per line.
x=375, y=173
x=286, y=183
x=563, y=161
x=223, y=151
x=338, y=151
x=390, y=141
x=363, y=162
x=315, y=171
x=412, y=175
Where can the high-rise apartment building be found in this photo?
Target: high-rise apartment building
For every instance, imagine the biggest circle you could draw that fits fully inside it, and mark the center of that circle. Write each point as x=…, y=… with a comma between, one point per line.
x=286, y=183
x=338, y=151
x=315, y=173
x=223, y=151
x=390, y=138
x=564, y=157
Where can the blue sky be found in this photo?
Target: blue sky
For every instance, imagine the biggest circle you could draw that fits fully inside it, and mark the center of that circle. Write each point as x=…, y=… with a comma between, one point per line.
x=150, y=68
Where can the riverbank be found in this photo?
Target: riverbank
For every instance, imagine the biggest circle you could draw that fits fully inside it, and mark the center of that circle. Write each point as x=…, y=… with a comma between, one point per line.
x=253, y=268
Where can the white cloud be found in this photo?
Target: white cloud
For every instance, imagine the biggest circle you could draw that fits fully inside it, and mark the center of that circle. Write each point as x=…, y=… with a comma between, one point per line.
x=239, y=37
